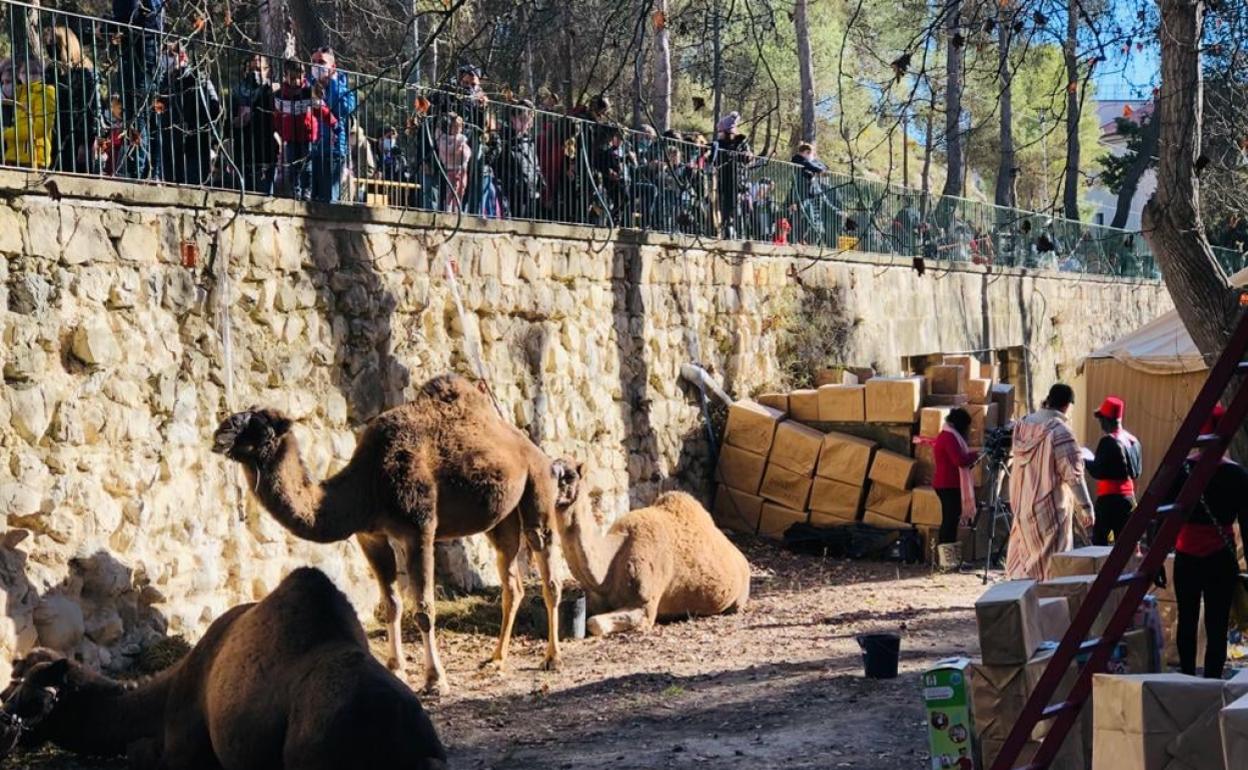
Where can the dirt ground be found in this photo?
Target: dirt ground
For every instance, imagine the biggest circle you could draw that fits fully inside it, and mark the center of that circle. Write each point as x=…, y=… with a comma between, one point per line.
x=779, y=685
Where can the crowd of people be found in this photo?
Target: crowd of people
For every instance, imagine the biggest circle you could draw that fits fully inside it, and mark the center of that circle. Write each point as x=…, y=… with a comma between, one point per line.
x=153, y=112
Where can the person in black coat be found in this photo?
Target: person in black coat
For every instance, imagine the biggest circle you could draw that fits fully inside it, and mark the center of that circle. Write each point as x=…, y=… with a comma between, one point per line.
x=730, y=153
x=1115, y=466
x=79, y=110
x=255, y=149
x=517, y=166
x=186, y=109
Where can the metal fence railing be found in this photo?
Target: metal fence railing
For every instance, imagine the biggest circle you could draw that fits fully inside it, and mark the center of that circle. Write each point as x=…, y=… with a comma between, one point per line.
x=135, y=101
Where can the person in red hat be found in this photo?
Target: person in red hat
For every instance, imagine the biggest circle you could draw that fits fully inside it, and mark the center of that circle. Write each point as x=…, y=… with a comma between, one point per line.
x=1115, y=466
x=1206, y=567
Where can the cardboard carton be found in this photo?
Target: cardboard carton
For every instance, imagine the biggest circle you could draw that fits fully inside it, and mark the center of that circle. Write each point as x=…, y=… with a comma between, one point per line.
x=891, y=469
x=947, y=379
x=983, y=418
x=845, y=458
x=947, y=400
x=777, y=401
x=1156, y=722
x=835, y=498
x=1003, y=397
x=825, y=520
x=874, y=519
x=1074, y=588
x=751, y=426
x=796, y=448
x=925, y=508
x=776, y=519
x=979, y=475
x=924, y=463
x=893, y=399
x=1233, y=721
x=842, y=403
x=951, y=729
x=888, y=501
x=804, y=405
x=1008, y=615
x=989, y=372
x=740, y=469
x=999, y=693
x=835, y=375
x=979, y=390
x=737, y=510
x=932, y=420
x=1235, y=688
x=1080, y=561
x=1054, y=618
x=781, y=485
x=966, y=362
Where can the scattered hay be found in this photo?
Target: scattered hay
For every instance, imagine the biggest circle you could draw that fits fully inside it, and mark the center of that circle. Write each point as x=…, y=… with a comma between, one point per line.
x=161, y=655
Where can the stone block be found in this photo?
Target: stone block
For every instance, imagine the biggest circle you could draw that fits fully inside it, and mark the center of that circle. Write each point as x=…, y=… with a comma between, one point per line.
x=96, y=345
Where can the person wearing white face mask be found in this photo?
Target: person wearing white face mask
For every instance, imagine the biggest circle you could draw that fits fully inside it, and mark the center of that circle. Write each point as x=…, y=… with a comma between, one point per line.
x=329, y=155
x=255, y=151
x=186, y=109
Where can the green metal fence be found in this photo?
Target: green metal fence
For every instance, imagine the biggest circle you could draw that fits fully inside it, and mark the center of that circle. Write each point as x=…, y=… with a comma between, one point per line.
x=136, y=101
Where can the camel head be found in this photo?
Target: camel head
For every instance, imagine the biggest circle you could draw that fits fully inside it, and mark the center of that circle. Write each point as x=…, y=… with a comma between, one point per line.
x=252, y=436
x=41, y=681
x=570, y=476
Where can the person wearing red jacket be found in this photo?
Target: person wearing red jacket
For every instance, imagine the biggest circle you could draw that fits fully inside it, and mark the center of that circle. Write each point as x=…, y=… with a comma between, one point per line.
x=298, y=112
x=952, y=478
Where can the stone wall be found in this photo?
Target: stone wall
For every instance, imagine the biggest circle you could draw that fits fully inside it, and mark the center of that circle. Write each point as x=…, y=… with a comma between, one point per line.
x=135, y=318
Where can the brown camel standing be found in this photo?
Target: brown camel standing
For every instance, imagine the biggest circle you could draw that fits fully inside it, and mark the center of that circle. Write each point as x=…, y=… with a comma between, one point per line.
x=442, y=466
x=288, y=682
x=662, y=562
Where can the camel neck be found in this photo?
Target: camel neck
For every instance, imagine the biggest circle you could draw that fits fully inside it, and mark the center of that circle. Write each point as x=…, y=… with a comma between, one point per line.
x=589, y=552
x=324, y=513
x=103, y=720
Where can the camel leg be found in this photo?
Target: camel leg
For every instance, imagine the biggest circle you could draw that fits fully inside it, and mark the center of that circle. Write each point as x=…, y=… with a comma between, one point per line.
x=506, y=541
x=420, y=570
x=380, y=556
x=552, y=591
x=616, y=622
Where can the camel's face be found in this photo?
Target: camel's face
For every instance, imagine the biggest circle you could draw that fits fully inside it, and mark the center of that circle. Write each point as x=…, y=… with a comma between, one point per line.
x=31, y=696
x=569, y=474
x=250, y=436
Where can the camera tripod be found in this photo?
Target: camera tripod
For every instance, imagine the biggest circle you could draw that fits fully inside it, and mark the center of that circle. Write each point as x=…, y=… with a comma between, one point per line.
x=998, y=510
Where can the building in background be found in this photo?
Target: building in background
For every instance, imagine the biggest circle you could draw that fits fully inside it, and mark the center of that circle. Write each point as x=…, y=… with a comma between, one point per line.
x=1102, y=201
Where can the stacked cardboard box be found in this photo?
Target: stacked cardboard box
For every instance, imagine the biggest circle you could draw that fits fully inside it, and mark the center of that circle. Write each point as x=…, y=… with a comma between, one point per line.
x=748, y=438
x=893, y=399
x=842, y=403
x=1156, y=722
x=788, y=477
x=888, y=496
x=1233, y=723
x=840, y=477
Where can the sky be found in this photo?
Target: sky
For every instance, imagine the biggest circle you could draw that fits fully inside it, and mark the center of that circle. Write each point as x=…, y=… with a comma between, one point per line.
x=1134, y=73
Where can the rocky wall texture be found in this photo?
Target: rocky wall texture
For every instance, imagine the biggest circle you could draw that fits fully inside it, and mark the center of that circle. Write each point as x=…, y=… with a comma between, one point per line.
x=135, y=318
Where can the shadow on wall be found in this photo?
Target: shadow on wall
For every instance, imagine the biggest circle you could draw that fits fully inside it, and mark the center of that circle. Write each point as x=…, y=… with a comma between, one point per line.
x=628, y=312
x=104, y=613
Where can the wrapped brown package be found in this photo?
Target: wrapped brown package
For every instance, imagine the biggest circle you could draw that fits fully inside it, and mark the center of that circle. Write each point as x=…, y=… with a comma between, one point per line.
x=835, y=375
x=947, y=379
x=1079, y=561
x=777, y=401
x=979, y=390
x=893, y=399
x=925, y=507
x=845, y=458
x=947, y=400
x=1156, y=722
x=999, y=693
x=835, y=498
x=963, y=360
x=842, y=403
x=796, y=448
x=737, y=510
x=1233, y=723
x=989, y=372
x=1236, y=687
x=776, y=519
x=983, y=418
x=891, y=469
x=1003, y=397
x=1054, y=617
x=781, y=485
x=888, y=501
x=751, y=426
x=924, y=464
x=932, y=420
x=825, y=520
x=873, y=519
x=1074, y=589
x=1008, y=616
x=740, y=469
x=804, y=405
x=1069, y=757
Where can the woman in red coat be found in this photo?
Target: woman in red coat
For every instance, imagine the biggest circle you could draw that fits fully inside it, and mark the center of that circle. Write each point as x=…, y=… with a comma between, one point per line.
x=952, y=479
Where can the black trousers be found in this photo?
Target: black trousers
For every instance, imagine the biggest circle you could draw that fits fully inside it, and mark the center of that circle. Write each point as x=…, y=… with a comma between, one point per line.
x=1211, y=578
x=950, y=512
x=1112, y=512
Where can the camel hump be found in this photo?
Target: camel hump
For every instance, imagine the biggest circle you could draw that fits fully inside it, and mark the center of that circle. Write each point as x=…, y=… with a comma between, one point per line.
x=452, y=389
x=681, y=504
x=308, y=586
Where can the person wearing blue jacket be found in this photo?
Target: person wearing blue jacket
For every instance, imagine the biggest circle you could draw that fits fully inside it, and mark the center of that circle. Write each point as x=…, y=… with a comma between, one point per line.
x=329, y=156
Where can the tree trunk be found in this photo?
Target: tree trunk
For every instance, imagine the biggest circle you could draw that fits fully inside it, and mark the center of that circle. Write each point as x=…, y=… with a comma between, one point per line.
x=661, y=100
x=717, y=67
x=1006, y=170
x=953, y=101
x=639, y=80
x=569, y=46
x=929, y=143
x=1171, y=220
x=27, y=43
x=1135, y=172
x=1070, y=190
x=277, y=30
x=805, y=69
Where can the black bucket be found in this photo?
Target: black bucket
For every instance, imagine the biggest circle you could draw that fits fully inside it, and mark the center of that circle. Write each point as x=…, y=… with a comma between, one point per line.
x=572, y=610
x=879, y=655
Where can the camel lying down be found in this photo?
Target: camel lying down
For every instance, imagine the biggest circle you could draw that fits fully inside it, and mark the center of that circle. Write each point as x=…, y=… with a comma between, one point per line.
x=663, y=562
x=288, y=682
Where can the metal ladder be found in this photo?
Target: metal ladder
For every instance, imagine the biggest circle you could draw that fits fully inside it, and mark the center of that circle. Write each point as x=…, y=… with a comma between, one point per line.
x=1170, y=516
